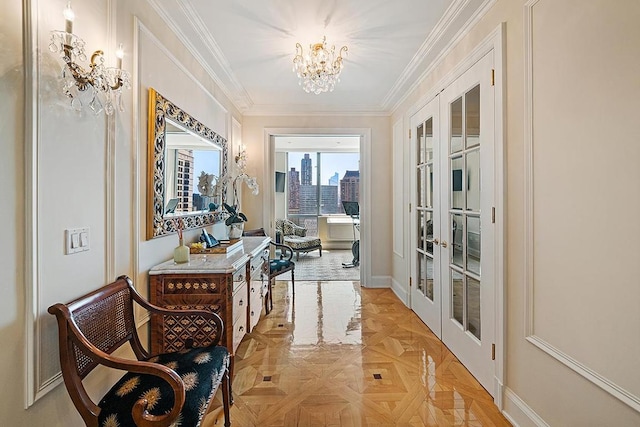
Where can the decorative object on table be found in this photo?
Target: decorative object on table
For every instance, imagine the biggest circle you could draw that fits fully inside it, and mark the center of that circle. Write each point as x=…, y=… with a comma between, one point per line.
x=319, y=70
x=99, y=81
x=210, y=186
x=208, y=240
x=181, y=252
x=235, y=221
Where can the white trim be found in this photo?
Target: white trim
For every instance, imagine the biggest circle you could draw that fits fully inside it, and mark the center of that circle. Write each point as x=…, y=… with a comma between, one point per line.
x=365, y=185
x=240, y=102
x=310, y=110
x=400, y=291
x=599, y=380
x=496, y=42
x=141, y=27
x=397, y=154
x=519, y=413
x=378, y=282
x=451, y=45
x=110, y=164
x=31, y=248
x=604, y=383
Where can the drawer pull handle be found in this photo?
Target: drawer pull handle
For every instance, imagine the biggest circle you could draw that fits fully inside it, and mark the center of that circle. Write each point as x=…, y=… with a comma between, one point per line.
x=241, y=328
x=241, y=303
x=253, y=289
x=240, y=277
x=252, y=314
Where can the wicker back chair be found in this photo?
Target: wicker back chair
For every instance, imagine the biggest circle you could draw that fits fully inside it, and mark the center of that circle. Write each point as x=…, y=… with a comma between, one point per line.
x=156, y=391
x=277, y=266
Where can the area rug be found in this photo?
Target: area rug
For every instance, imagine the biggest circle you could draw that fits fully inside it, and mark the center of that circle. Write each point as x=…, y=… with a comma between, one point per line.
x=327, y=267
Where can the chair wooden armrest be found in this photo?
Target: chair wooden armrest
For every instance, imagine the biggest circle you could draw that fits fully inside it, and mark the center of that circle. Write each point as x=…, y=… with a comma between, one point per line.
x=93, y=326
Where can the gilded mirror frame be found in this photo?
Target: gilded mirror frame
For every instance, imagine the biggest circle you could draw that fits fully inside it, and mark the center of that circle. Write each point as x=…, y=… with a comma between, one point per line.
x=161, y=109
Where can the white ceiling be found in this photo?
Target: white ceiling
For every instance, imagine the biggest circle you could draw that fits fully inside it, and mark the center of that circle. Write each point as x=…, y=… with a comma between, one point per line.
x=247, y=46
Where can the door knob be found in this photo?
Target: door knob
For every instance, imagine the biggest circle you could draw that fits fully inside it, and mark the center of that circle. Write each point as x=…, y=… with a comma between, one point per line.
x=436, y=241
x=444, y=243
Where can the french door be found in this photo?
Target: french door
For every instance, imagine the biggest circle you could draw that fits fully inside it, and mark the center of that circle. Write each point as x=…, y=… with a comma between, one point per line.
x=454, y=236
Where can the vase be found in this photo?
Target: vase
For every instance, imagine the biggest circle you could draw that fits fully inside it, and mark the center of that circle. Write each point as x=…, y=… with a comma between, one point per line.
x=181, y=253
x=235, y=230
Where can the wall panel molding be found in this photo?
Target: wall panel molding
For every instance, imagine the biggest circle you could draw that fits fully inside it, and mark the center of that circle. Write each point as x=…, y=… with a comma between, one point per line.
x=529, y=262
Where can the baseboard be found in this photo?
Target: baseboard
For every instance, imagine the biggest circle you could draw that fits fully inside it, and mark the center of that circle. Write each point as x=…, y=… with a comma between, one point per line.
x=400, y=291
x=519, y=413
x=379, y=282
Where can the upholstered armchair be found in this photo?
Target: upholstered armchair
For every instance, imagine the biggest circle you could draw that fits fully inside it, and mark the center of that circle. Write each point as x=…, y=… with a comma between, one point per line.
x=291, y=234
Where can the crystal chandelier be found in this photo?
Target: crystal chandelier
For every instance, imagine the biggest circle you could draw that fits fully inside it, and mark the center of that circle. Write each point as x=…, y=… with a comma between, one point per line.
x=100, y=81
x=318, y=70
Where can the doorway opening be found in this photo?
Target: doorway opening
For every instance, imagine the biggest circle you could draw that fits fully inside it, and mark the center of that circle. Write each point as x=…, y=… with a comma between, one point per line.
x=316, y=176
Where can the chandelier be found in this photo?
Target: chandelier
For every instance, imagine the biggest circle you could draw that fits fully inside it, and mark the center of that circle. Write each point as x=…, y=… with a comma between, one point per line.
x=318, y=70
x=98, y=81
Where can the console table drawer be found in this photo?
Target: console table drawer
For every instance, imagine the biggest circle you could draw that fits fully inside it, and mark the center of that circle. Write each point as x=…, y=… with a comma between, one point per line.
x=177, y=285
x=239, y=330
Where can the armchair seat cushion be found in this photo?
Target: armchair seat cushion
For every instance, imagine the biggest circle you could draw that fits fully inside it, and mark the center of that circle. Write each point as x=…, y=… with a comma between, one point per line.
x=276, y=265
x=301, y=243
x=201, y=369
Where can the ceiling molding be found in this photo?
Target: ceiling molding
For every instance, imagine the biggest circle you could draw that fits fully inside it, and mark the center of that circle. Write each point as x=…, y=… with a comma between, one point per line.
x=313, y=110
x=235, y=98
x=453, y=41
x=436, y=35
x=201, y=29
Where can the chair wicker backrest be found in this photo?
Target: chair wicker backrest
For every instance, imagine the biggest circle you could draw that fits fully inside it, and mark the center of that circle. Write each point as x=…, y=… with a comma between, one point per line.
x=102, y=320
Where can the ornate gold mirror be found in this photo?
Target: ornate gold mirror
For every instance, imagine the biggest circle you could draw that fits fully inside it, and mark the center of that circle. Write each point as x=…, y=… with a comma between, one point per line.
x=187, y=163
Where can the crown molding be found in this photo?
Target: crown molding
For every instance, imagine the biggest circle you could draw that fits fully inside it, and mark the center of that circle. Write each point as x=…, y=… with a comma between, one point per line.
x=238, y=97
x=408, y=81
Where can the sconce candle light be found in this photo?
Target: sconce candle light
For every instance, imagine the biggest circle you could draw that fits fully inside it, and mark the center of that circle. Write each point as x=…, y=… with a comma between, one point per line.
x=99, y=80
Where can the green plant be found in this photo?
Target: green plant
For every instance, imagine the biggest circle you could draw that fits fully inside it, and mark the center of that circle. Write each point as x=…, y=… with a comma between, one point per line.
x=234, y=215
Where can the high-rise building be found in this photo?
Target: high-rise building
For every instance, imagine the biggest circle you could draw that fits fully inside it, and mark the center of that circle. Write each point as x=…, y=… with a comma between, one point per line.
x=350, y=187
x=294, y=191
x=184, y=180
x=335, y=179
x=306, y=170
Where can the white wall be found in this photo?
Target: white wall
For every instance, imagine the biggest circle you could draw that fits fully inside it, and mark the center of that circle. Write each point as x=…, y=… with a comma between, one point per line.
x=90, y=172
x=584, y=292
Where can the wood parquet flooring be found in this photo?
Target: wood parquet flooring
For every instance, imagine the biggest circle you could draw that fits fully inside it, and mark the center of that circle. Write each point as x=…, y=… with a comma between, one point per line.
x=342, y=355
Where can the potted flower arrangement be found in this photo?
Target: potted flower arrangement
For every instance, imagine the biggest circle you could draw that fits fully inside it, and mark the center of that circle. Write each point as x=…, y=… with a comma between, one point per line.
x=236, y=219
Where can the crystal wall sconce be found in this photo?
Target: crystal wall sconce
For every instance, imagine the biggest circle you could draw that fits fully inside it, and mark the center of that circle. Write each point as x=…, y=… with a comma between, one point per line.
x=104, y=84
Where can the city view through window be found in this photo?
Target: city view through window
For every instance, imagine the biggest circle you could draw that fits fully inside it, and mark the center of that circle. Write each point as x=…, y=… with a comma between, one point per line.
x=338, y=175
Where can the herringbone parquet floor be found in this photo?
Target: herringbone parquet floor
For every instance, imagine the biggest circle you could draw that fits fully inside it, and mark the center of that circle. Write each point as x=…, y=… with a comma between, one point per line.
x=341, y=355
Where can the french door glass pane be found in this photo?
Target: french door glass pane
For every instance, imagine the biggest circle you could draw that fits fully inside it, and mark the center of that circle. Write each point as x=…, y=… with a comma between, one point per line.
x=457, y=182
x=429, y=268
x=473, y=306
x=473, y=244
x=428, y=186
x=422, y=273
x=473, y=180
x=457, y=233
x=456, y=126
x=420, y=187
x=421, y=144
x=421, y=226
x=428, y=216
x=472, y=117
x=457, y=296
x=428, y=139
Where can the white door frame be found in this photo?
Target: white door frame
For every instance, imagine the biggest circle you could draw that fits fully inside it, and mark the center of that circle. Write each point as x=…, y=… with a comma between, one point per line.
x=268, y=198
x=495, y=42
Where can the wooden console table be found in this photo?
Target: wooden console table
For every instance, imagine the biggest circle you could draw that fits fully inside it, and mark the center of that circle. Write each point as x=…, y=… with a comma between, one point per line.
x=233, y=286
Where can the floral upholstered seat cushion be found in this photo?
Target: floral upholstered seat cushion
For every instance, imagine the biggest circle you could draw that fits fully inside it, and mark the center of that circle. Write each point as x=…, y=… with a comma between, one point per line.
x=297, y=242
x=276, y=265
x=199, y=368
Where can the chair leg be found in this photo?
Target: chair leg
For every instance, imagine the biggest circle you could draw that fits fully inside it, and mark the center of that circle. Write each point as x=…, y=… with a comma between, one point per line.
x=271, y=294
x=293, y=287
x=267, y=309
x=226, y=398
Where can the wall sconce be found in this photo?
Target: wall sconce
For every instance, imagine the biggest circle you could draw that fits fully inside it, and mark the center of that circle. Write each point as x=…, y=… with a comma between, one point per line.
x=101, y=81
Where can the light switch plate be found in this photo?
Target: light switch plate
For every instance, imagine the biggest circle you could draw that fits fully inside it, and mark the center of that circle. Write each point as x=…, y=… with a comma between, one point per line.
x=76, y=240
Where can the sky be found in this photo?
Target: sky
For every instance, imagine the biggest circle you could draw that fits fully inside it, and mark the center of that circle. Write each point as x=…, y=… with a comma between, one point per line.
x=331, y=163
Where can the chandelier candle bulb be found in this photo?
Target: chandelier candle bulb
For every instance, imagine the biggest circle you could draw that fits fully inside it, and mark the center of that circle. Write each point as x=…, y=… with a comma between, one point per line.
x=68, y=18
x=119, y=55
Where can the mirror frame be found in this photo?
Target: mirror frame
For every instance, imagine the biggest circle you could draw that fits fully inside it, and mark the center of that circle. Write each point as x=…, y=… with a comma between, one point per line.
x=161, y=109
